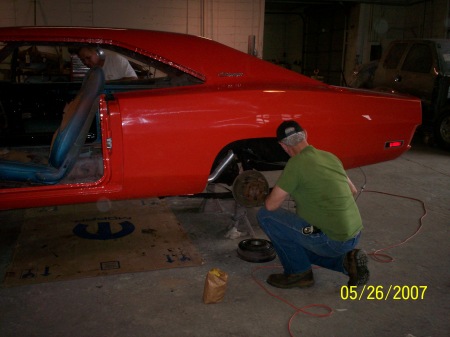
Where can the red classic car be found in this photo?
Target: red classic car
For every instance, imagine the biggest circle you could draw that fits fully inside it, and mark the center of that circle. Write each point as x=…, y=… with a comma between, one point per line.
x=199, y=112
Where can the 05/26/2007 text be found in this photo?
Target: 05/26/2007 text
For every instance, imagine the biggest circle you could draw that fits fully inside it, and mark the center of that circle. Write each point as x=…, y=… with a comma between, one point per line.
x=381, y=293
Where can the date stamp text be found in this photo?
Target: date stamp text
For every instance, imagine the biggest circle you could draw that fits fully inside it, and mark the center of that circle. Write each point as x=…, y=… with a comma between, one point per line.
x=383, y=293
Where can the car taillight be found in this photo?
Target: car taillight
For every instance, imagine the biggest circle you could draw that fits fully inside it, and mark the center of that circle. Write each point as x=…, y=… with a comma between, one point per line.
x=394, y=143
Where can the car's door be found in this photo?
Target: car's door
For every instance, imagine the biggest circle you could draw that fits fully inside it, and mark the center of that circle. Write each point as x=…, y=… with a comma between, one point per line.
x=386, y=75
x=36, y=82
x=416, y=76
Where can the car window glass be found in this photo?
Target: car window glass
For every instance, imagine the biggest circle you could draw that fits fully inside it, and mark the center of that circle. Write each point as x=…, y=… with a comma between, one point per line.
x=39, y=63
x=444, y=53
x=419, y=59
x=151, y=73
x=34, y=63
x=158, y=73
x=5, y=63
x=42, y=63
x=395, y=54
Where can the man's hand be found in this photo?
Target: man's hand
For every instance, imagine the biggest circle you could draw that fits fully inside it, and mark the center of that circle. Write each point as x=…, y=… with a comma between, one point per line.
x=275, y=198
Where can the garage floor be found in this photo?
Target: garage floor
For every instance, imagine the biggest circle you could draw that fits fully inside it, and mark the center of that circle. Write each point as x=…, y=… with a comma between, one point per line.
x=169, y=302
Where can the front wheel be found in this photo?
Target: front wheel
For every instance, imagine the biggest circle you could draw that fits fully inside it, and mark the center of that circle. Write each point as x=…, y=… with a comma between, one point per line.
x=442, y=130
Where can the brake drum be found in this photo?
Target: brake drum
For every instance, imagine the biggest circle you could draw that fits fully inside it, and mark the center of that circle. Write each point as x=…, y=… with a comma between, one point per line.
x=250, y=188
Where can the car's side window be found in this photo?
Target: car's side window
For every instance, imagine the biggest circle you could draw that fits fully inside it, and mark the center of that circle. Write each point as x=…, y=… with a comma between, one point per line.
x=44, y=63
x=395, y=54
x=158, y=73
x=419, y=59
x=5, y=62
x=151, y=73
x=444, y=55
x=36, y=83
x=36, y=63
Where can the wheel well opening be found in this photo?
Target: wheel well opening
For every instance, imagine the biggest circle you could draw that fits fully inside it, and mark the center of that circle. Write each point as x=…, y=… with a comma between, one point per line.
x=261, y=154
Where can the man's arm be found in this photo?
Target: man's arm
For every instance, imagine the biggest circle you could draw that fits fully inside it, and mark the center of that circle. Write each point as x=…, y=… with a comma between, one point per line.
x=352, y=187
x=275, y=198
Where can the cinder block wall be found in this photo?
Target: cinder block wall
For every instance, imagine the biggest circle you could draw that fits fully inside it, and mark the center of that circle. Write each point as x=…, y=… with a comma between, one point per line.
x=230, y=22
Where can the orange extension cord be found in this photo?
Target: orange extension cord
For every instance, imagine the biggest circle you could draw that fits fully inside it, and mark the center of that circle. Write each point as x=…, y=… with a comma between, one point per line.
x=376, y=255
x=328, y=310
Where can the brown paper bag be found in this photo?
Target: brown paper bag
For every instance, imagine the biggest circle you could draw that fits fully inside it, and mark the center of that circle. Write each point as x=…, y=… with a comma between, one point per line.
x=215, y=286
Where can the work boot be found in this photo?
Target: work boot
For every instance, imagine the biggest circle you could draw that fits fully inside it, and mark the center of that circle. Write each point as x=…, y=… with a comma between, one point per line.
x=301, y=280
x=356, y=265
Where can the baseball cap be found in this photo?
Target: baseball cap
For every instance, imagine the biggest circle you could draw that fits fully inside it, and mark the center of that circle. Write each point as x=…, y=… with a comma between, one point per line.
x=288, y=128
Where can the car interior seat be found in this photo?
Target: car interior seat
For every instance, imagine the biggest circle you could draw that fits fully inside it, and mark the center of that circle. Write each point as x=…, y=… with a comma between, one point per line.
x=68, y=139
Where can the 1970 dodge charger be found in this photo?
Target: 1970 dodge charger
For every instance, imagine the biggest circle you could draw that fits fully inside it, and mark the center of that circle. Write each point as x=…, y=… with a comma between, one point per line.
x=198, y=113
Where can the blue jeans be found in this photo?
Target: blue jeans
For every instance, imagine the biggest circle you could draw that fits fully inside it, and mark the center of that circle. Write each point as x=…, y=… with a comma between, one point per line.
x=296, y=251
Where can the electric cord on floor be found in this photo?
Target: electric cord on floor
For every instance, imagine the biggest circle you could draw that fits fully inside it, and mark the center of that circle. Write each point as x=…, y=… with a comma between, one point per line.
x=385, y=258
x=328, y=310
x=377, y=255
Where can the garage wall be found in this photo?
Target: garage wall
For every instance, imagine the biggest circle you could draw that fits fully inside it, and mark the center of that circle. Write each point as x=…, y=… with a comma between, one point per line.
x=230, y=22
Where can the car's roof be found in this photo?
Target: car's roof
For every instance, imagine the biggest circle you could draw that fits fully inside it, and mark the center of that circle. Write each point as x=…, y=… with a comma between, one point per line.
x=203, y=57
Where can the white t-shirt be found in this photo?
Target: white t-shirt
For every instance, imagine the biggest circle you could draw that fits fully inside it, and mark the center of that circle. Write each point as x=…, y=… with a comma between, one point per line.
x=116, y=67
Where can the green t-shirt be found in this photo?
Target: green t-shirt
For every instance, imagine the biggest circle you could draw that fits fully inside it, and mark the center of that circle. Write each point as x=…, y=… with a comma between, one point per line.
x=318, y=183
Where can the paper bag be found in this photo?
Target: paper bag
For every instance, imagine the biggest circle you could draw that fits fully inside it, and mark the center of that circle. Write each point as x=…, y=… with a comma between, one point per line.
x=215, y=286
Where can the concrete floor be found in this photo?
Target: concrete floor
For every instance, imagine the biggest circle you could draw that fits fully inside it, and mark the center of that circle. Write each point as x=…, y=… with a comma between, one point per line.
x=169, y=302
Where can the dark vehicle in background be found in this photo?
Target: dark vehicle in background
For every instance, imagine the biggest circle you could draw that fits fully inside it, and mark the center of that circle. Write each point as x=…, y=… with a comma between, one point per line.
x=420, y=68
x=363, y=75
